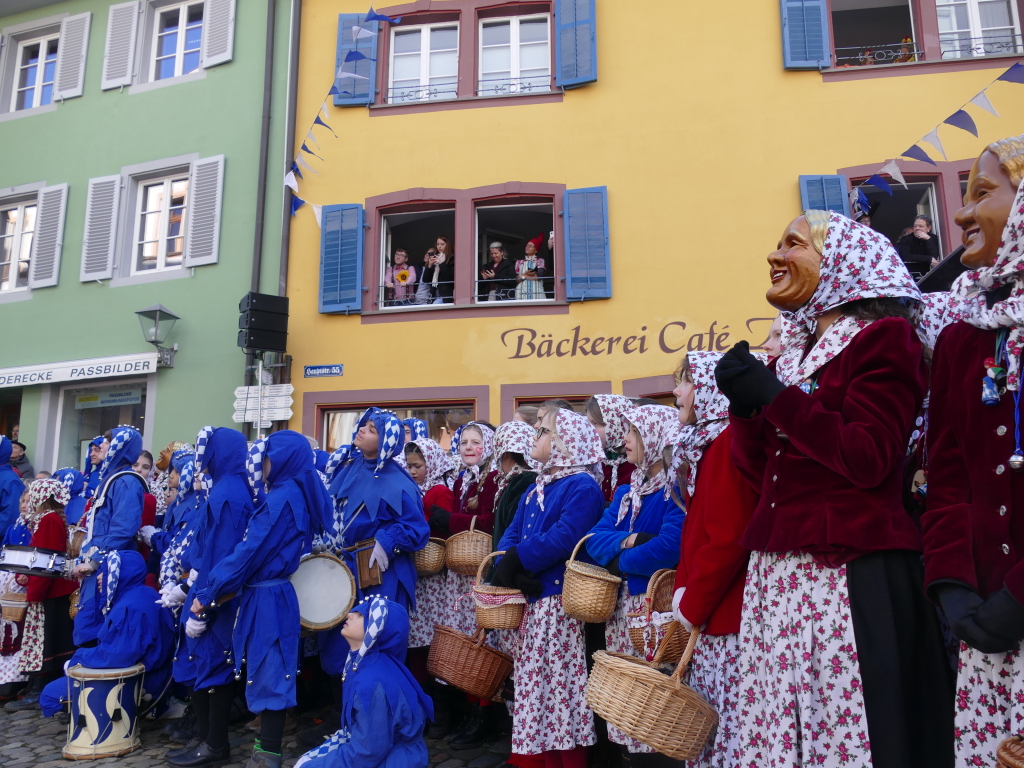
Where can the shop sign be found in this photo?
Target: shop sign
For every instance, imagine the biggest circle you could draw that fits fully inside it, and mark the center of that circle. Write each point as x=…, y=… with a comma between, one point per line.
x=109, y=399
x=79, y=370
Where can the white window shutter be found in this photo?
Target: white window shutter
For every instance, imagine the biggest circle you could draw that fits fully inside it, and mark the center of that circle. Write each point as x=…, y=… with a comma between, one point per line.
x=44, y=266
x=119, y=54
x=218, y=32
x=205, y=190
x=100, y=225
x=71, y=54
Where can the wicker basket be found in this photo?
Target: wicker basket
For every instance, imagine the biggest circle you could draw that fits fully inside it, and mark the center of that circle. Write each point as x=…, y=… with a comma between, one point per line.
x=655, y=709
x=668, y=648
x=73, y=608
x=430, y=560
x=13, y=606
x=467, y=550
x=589, y=592
x=467, y=663
x=1011, y=753
x=505, y=616
x=76, y=538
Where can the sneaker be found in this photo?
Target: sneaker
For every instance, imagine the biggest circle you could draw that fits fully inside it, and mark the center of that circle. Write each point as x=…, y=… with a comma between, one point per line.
x=175, y=710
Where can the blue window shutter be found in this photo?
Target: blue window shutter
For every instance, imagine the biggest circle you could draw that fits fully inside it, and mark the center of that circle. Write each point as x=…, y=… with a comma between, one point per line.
x=575, y=43
x=356, y=91
x=805, y=36
x=588, y=269
x=341, y=259
x=824, y=193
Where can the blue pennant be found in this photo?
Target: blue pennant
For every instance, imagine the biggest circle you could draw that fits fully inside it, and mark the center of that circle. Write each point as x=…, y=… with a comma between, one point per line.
x=1014, y=74
x=880, y=183
x=319, y=121
x=374, y=16
x=356, y=56
x=297, y=202
x=962, y=120
x=917, y=153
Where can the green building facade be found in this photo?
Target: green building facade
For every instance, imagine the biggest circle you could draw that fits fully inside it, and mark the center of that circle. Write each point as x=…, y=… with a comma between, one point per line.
x=131, y=139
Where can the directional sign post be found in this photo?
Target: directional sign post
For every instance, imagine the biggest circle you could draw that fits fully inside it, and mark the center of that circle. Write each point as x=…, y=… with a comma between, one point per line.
x=263, y=405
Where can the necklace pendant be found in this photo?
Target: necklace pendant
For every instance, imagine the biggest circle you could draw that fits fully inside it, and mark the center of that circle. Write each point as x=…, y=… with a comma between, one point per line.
x=1016, y=462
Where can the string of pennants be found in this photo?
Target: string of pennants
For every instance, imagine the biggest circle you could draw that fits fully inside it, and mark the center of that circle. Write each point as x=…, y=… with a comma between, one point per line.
x=300, y=164
x=961, y=119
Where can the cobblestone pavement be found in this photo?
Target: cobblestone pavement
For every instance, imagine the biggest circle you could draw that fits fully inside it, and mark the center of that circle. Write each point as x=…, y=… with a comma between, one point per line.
x=28, y=740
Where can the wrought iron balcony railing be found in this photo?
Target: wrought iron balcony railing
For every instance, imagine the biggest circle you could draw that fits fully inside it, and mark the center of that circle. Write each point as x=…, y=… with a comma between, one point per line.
x=507, y=86
x=883, y=53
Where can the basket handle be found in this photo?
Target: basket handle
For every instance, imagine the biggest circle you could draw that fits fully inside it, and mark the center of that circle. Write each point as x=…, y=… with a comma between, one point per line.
x=572, y=557
x=479, y=637
x=472, y=524
x=480, y=570
x=684, y=661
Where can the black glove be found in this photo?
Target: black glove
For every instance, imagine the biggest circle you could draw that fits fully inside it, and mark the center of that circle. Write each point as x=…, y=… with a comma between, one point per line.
x=643, y=538
x=1002, y=616
x=507, y=569
x=440, y=519
x=745, y=379
x=728, y=369
x=528, y=584
x=613, y=566
x=960, y=603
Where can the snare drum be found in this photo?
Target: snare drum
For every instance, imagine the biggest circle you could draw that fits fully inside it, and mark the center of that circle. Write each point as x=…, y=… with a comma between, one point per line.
x=326, y=591
x=33, y=561
x=104, y=712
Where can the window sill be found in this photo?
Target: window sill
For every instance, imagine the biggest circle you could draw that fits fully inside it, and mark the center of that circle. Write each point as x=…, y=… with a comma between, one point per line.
x=916, y=68
x=154, y=276
x=28, y=112
x=199, y=74
x=466, y=102
x=18, y=294
x=463, y=311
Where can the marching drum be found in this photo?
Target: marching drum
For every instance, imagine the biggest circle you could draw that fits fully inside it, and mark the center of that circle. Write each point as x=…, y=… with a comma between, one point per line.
x=326, y=591
x=33, y=561
x=104, y=712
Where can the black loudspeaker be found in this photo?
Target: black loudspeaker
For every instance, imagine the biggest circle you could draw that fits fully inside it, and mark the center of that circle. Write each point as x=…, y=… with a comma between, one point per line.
x=263, y=322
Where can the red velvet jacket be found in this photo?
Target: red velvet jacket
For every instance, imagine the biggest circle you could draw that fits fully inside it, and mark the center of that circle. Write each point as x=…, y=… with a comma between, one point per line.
x=484, y=511
x=973, y=525
x=148, y=518
x=52, y=533
x=712, y=563
x=623, y=474
x=830, y=464
x=438, y=496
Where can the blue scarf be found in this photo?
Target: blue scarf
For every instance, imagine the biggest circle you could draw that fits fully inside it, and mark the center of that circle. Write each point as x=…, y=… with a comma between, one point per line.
x=224, y=459
x=291, y=458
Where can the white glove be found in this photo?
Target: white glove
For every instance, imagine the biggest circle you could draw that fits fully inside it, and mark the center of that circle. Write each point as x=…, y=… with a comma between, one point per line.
x=173, y=597
x=193, y=574
x=677, y=598
x=380, y=557
x=66, y=665
x=147, y=532
x=194, y=628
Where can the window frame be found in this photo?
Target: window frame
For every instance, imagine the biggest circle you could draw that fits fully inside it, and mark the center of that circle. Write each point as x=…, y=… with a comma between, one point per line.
x=179, y=55
x=515, y=46
x=141, y=186
x=10, y=39
x=18, y=66
x=424, y=79
x=20, y=205
x=553, y=273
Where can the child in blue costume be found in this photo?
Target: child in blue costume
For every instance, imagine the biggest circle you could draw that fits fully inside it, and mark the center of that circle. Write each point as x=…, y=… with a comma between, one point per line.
x=220, y=526
x=135, y=630
x=74, y=481
x=93, y=464
x=114, y=518
x=279, y=532
x=180, y=511
x=374, y=498
x=11, y=488
x=384, y=710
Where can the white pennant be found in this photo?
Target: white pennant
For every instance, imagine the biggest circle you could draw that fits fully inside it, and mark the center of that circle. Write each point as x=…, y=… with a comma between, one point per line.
x=933, y=139
x=291, y=182
x=348, y=75
x=894, y=170
x=317, y=209
x=324, y=108
x=311, y=137
x=981, y=100
x=299, y=159
x=359, y=33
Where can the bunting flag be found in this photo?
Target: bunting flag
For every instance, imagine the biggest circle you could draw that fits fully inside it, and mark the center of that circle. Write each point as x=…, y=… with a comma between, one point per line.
x=301, y=161
x=916, y=153
x=311, y=137
x=893, y=170
x=318, y=213
x=358, y=33
x=349, y=76
x=865, y=204
x=374, y=16
x=297, y=202
x=933, y=138
x=357, y=56
x=295, y=170
x=334, y=91
x=327, y=115
x=880, y=183
x=962, y=120
x=290, y=182
x=981, y=100
x=318, y=121
x=1014, y=74
x=309, y=151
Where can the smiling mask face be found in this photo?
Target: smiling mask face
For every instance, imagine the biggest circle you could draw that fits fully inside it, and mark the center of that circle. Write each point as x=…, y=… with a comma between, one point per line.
x=794, y=267
x=987, y=204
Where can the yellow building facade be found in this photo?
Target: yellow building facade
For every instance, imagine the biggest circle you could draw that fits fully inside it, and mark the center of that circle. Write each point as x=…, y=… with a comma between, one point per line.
x=666, y=159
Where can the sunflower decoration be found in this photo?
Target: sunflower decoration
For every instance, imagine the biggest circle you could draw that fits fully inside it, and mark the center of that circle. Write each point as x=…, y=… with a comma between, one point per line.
x=402, y=276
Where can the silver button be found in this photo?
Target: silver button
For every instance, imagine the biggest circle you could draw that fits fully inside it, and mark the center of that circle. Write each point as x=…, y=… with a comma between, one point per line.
x=1000, y=469
x=1000, y=430
x=920, y=421
x=248, y=682
x=773, y=505
x=915, y=434
x=775, y=478
x=1006, y=549
x=557, y=581
x=777, y=453
x=1002, y=511
x=287, y=677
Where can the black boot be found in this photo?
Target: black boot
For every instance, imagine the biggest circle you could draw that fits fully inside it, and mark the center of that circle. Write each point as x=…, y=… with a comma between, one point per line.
x=462, y=723
x=192, y=744
x=441, y=695
x=188, y=726
x=202, y=755
x=480, y=731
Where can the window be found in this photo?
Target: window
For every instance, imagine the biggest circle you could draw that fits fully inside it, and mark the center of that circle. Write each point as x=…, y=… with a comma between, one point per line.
x=37, y=66
x=515, y=55
x=443, y=419
x=17, y=226
x=515, y=254
x=424, y=63
x=870, y=32
x=179, y=35
x=411, y=272
x=894, y=217
x=977, y=28
x=160, y=230
x=89, y=411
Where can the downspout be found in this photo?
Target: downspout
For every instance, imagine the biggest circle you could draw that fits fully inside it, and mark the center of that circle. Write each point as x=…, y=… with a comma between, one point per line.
x=289, y=142
x=261, y=183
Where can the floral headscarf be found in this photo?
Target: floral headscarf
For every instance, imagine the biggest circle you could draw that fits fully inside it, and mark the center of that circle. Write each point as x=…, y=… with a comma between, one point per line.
x=856, y=263
x=712, y=410
x=575, y=448
x=48, y=488
x=659, y=427
x=476, y=471
x=936, y=311
x=512, y=437
x=438, y=462
x=1008, y=269
x=613, y=413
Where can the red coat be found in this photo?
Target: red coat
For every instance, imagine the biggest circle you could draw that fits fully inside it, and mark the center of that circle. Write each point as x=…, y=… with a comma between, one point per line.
x=712, y=563
x=438, y=496
x=623, y=473
x=834, y=487
x=484, y=511
x=148, y=518
x=52, y=533
x=973, y=525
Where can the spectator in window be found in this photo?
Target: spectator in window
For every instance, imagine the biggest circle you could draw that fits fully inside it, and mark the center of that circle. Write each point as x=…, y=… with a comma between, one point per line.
x=498, y=277
x=439, y=271
x=14, y=431
x=20, y=461
x=424, y=290
x=918, y=247
x=400, y=279
x=529, y=271
x=906, y=51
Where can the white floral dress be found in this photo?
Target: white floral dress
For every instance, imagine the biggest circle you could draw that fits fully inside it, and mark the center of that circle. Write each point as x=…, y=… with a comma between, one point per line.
x=989, y=703
x=431, y=608
x=616, y=639
x=715, y=674
x=459, y=609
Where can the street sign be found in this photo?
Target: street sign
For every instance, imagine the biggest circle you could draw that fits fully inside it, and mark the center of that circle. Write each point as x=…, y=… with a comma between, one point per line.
x=316, y=371
x=273, y=414
x=273, y=390
x=238, y=418
x=251, y=402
